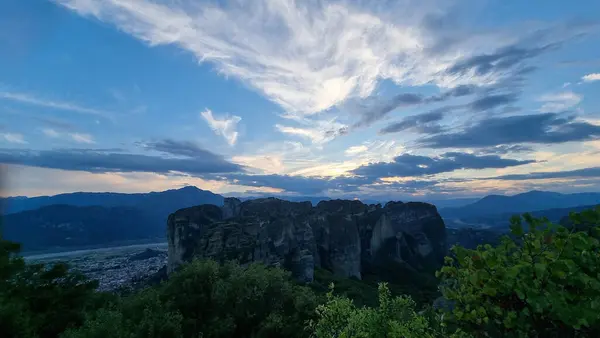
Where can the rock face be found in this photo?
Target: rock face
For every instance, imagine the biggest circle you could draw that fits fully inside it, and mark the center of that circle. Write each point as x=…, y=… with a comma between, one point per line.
x=343, y=236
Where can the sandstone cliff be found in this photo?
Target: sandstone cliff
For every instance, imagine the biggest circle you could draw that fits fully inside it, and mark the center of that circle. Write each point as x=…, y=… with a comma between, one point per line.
x=343, y=236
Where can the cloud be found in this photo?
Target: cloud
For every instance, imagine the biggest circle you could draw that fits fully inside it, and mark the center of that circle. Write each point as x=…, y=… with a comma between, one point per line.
x=591, y=77
x=67, y=106
x=506, y=149
x=356, y=150
x=104, y=161
x=181, y=148
x=422, y=123
x=375, y=109
x=491, y=101
x=317, y=131
x=310, y=56
x=578, y=173
x=225, y=126
x=500, y=61
x=82, y=138
x=547, y=128
x=378, y=110
x=559, y=102
x=13, y=138
x=50, y=132
x=414, y=165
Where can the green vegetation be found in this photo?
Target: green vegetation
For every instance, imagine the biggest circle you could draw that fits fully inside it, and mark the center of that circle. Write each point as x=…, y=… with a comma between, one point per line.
x=542, y=281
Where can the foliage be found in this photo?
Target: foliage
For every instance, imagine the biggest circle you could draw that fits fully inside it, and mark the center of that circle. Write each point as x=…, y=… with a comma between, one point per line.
x=212, y=300
x=394, y=317
x=38, y=300
x=544, y=281
x=141, y=316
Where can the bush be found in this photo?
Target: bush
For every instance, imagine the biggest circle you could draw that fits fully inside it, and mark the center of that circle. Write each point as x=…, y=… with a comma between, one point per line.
x=394, y=317
x=207, y=299
x=541, y=282
x=37, y=300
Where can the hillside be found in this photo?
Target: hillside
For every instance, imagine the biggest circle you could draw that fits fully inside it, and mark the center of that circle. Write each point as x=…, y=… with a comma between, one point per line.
x=82, y=219
x=501, y=222
x=67, y=226
x=161, y=203
x=520, y=203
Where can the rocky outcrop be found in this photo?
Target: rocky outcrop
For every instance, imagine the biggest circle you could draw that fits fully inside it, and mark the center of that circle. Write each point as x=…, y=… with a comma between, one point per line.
x=343, y=236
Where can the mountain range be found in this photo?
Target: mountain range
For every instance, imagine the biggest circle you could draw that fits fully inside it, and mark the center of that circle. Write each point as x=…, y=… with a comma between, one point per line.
x=526, y=202
x=82, y=219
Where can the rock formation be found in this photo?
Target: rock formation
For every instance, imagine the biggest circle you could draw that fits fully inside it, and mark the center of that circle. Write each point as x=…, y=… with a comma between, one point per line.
x=343, y=236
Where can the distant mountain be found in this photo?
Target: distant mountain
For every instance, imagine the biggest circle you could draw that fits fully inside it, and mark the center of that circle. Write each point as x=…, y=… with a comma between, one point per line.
x=502, y=221
x=525, y=202
x=163, y=202
x=67, y=226
x=83, y=218
x=452, y=203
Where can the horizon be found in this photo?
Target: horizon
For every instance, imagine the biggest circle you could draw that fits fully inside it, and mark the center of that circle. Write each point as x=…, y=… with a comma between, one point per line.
x=412, y=100
x=233, y=195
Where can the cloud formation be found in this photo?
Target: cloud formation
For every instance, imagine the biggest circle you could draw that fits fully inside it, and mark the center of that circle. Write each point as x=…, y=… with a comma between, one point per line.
x=82, y=138
x=310, y=56
x=559, y=102
x=66, y=106
x=544, y=128
x=423, y=123
x=13, y=138
x=591, y=77
x=181, y=148
x=103, y=161
x=223, y=126
x=317, y=131
x=487, y=102
x=593, y=172
x=407, y=165
x=501, y=61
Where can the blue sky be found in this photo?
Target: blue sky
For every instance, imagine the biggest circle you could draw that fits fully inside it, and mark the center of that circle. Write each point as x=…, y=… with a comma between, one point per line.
x=407, y=99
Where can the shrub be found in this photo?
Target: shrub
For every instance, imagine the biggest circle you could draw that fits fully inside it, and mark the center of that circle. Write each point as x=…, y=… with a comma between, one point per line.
x=544, y=281
x=394, y=317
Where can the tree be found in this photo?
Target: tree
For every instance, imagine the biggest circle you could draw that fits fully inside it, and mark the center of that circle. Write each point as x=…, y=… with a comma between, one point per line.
x=394, y=317
x=37, y=300
x=542, y=281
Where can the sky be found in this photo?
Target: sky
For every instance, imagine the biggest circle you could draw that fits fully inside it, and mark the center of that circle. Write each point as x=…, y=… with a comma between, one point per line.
x=358, y=99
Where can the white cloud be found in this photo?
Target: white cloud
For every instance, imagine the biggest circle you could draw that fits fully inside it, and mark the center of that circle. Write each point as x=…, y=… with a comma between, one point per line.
x=558, y=102
x=591, y=77
x=50, y=132
x=225, y=126
x=356, y=150
x=307, y=56
x=317, y=131
x=13, y=138
x=68, y=106
x=82, y=138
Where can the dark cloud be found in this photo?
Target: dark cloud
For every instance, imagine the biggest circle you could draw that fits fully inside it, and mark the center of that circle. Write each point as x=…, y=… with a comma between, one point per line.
x=538, y=128
x=181, y=148
x=298, y=184
x=492, y=101
x=101, y=161
x=593, y=172
x=414, y=165
x=420, y=123
x=458, y=91
x=376, y=111
x=308, y=185
x=503, y=59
